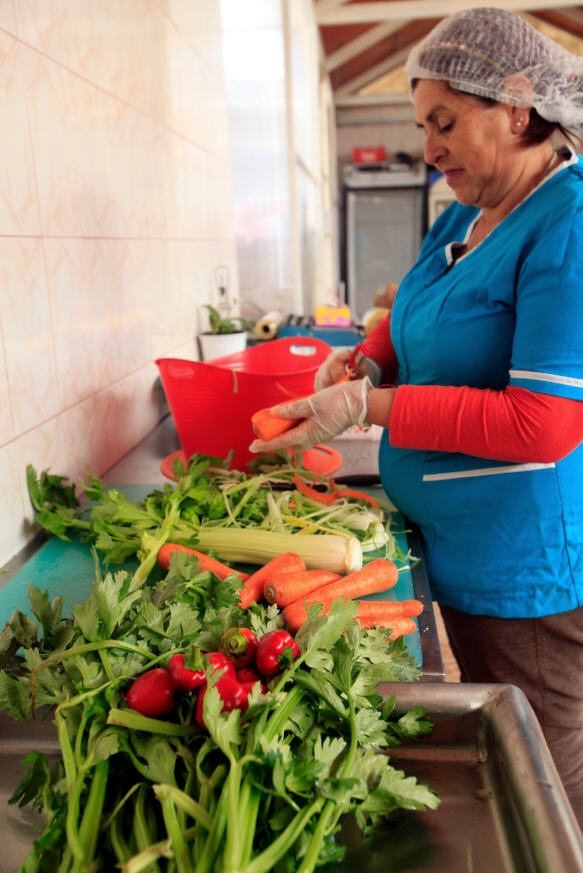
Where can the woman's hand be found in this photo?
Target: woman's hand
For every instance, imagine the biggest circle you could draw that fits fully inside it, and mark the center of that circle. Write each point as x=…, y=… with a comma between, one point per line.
x=324, y=414
x=332, y=370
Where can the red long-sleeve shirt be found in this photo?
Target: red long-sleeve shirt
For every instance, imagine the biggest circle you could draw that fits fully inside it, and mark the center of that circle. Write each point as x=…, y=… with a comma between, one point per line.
x=509, y=425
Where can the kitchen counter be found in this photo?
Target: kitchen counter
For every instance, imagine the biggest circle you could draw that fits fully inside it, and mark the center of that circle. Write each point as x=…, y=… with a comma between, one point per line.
x=142, y=467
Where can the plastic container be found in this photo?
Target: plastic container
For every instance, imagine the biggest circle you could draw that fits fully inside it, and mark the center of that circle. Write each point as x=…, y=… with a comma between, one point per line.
x=212, y=401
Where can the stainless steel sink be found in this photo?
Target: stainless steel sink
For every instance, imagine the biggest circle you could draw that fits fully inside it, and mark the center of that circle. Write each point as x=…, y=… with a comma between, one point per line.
x=503, y=808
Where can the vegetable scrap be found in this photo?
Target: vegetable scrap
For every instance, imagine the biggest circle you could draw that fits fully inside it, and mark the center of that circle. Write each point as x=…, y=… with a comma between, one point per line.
x=333, y=494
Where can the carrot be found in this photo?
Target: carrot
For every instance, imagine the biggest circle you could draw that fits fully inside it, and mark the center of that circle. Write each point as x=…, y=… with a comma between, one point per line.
x=282, y=588
x=374, y=577
x=252, y=590
x=400, y=627
x=206, y=562
x=382, y=613
x=268, y=424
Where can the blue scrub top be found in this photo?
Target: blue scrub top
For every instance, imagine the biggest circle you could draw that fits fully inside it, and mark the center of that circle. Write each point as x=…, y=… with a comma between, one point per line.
x=500, y=539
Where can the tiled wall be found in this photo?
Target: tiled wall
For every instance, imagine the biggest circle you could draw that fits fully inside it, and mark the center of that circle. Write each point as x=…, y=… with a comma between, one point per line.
x=115, y=209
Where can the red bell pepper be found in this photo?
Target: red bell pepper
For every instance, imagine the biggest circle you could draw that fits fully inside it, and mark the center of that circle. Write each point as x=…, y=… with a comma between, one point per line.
x=191, y=679
x=152, y=693
x=239, y=644
x=233, y=696
x=248, y=677
x=275, y=651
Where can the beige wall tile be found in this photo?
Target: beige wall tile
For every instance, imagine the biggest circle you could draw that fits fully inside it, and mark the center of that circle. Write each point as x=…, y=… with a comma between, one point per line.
x=115, y=210
x=6, y=418
x=105, y=170
x=200, y=24
x=103, y=428
x=18, y=205
x=7, y=16
x=27, y=326
x=137, y=53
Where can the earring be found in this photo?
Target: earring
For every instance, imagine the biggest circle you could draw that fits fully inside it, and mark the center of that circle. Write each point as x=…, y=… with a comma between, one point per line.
x=520, y=122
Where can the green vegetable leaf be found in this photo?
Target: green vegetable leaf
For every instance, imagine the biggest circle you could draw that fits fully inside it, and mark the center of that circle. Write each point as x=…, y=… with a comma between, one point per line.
x=15, y=696
x=321, y=632
x=20, y=630
x=225, y=729
x=413, y=724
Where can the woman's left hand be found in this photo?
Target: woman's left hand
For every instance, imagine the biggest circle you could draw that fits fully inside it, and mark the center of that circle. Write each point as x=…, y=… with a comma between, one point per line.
x=323, y=415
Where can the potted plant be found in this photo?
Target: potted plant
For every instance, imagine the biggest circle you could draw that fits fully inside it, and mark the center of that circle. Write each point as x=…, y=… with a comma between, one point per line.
x=226, y=334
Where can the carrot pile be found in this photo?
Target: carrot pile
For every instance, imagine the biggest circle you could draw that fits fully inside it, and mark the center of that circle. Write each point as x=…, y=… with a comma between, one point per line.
x=286, y=582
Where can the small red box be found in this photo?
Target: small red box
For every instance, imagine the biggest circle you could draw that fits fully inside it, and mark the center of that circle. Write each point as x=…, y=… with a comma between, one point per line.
x=369, y=155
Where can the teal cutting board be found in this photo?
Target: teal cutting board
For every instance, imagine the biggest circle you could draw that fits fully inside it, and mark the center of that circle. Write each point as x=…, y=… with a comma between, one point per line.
x=66, y=569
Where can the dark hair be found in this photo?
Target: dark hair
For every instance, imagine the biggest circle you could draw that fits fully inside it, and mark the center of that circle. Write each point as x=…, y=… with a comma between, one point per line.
x=538, y=128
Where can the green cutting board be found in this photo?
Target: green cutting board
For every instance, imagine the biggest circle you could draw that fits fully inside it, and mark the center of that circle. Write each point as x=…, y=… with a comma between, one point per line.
x=66, y=569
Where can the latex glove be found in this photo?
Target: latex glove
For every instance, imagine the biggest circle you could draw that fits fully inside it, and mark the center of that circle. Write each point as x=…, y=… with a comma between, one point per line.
x=324, y=414
x=333, y=369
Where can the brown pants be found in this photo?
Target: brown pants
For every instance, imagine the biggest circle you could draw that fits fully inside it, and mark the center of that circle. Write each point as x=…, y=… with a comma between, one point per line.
x=544, y=658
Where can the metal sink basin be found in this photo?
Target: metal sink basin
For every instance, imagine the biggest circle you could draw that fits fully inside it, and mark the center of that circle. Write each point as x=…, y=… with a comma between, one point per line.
x=503, y=808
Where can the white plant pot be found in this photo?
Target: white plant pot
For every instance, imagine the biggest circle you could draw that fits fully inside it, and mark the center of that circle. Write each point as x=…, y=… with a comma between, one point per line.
x=215, y=345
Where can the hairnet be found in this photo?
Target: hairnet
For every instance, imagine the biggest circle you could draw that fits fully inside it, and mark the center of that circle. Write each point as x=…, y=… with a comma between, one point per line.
x=480, y=50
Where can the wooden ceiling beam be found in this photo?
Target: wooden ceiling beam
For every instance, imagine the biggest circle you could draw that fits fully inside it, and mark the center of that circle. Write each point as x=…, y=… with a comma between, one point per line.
x=361, y=43
x=400, y=10
x=347, y=92
x=571, y=22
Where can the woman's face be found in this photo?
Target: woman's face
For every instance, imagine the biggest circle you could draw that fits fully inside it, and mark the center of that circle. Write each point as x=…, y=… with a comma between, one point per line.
x=470, y=142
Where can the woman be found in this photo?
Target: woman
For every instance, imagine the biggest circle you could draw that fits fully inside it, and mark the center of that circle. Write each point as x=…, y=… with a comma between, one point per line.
x=482, y=441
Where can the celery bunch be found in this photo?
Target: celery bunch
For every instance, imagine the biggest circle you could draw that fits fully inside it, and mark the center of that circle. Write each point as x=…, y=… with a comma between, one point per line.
x=209, y=507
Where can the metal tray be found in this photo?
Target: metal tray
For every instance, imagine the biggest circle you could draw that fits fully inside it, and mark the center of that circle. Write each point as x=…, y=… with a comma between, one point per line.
x=503, y=808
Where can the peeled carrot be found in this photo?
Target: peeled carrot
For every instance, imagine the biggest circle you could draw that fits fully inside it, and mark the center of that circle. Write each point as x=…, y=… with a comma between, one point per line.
x=267, y=424
x=252, y=590
x=282, y=588
x=206, y=562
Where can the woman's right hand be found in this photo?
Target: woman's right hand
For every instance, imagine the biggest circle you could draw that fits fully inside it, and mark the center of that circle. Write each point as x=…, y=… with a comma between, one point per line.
x=333, y=369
